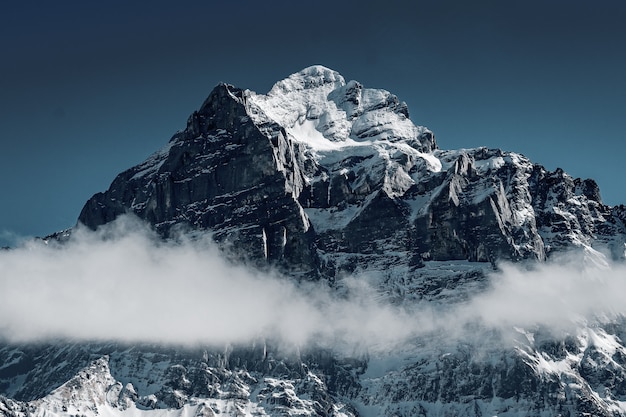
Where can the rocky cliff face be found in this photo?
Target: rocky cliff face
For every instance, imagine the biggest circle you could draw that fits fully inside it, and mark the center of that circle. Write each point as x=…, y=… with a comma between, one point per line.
x=221, y=174
x=318, y=178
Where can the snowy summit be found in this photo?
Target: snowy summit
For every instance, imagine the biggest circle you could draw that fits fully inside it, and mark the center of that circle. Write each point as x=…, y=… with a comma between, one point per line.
x=317, y=107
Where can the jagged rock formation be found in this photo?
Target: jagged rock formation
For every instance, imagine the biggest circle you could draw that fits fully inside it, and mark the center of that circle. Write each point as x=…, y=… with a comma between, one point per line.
x=113, y=378
x=576, y=376
x=321, y=177
x=319, y=172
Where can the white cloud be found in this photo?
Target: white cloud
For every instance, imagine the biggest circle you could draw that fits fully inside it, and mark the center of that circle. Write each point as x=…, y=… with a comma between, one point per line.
x=9, y=238
x=123, y=283
x=559, y=295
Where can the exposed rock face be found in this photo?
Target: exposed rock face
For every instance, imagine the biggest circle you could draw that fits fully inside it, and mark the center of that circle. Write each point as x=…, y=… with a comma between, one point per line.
x=219, y=174
x=319, y=172
x=570, y=211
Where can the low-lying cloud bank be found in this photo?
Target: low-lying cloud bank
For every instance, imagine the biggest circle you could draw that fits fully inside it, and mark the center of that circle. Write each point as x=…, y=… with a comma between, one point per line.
x=559, y=295
x=123, y=283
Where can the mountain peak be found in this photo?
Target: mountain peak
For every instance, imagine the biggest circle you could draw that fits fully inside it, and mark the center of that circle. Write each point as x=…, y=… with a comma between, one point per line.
x=319, y=109
x=309, y=78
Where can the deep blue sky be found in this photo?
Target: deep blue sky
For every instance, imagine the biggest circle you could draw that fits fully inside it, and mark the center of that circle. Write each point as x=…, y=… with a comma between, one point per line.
x=88, y=89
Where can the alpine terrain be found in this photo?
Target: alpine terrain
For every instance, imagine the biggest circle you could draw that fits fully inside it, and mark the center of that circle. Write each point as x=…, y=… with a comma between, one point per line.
x=322, y=179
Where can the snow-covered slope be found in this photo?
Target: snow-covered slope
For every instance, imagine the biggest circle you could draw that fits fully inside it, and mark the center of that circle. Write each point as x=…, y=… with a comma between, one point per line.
x=93, y=391
x=318, y=108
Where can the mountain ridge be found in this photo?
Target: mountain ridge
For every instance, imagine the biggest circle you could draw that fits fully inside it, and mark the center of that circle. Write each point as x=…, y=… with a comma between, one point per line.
x=331, y=152
x=322, y=179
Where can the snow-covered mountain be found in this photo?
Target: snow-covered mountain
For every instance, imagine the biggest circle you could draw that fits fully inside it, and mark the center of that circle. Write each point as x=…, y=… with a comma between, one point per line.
x=320, y=178
x=318, y=173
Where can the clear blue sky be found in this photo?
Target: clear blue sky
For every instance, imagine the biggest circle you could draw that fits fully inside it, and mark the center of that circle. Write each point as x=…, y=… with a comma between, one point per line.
x=88, y=89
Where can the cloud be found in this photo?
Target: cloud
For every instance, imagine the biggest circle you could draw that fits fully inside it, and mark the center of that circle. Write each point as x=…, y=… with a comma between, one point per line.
x=559, y=295
x=9, y=238
x=124, y=283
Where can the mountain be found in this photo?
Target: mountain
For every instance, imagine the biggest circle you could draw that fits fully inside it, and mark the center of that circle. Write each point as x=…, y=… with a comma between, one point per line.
x=319, y=179
x=319, y=173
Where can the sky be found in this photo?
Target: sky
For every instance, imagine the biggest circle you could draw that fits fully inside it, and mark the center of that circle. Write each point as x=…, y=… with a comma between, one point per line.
x=89, y=89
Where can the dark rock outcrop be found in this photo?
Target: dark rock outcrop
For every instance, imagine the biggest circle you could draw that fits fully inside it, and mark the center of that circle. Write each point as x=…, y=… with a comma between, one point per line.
x=219, y=174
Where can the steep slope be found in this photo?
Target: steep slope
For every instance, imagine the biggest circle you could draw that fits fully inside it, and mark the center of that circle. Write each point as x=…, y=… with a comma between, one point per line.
x=221, y=174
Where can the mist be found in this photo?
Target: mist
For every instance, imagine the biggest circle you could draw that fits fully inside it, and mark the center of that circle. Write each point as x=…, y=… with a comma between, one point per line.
x=124, y=283
x=560, y=295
